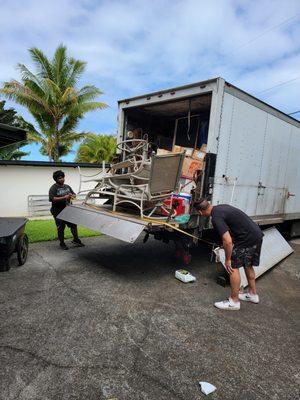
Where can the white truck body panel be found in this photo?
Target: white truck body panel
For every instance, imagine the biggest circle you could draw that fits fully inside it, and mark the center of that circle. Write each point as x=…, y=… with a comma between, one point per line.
x=256, y=161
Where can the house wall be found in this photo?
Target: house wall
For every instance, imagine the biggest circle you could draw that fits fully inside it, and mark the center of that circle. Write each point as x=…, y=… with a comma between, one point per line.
x=17, y=182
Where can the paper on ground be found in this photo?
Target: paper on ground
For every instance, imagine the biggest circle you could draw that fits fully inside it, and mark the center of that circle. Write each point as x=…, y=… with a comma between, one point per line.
x=207, y=388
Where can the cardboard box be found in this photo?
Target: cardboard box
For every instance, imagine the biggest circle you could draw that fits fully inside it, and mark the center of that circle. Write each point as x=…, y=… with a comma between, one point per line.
x=189, y=151
x=203, y=147
x=190, y=166
x=160, y=152
x=178, y=149
x=198, y=154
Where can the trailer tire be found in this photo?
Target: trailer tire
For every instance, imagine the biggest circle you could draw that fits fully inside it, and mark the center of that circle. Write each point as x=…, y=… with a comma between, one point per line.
x=22, y=249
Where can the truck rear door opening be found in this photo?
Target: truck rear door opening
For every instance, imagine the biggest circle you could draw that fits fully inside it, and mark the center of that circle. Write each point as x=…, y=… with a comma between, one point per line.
x=183, y=122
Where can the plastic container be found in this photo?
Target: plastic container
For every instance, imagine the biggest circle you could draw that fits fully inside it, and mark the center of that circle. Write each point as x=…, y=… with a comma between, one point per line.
x=187, y=201
x=179, y=205
x=182, y=219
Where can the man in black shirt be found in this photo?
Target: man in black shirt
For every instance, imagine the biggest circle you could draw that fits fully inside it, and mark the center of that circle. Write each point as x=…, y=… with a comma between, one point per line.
x=242, y=240
x=60, y=195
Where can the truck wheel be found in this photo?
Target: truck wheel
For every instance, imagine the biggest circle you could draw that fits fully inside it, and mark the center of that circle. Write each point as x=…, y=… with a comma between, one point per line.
x=22, y=249
x=183, y=257
x=4, y=264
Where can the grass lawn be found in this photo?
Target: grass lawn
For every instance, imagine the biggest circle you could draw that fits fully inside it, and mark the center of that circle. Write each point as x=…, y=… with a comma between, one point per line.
x=44, y=230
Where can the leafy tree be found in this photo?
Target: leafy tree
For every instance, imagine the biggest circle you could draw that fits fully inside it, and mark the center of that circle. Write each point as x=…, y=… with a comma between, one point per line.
x=12, y=152
x=54, y=100
x=9, y=117
x=97, y=148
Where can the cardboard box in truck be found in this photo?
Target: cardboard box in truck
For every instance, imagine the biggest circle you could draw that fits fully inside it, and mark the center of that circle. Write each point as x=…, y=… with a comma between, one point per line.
x=190, y=166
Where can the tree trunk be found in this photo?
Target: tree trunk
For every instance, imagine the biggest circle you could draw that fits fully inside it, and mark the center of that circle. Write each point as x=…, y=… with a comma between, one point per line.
x=56, y=143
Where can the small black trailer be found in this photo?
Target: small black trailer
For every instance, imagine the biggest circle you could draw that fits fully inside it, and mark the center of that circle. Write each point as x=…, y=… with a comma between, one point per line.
x=12, y=236
x=12, y=239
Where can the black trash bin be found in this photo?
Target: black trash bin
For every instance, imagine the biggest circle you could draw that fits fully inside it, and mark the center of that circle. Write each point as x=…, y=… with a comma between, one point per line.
x=12, y=239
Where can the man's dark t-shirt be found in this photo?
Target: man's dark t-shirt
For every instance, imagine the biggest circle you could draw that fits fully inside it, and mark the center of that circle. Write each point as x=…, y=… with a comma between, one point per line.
x=243, y=230
x=59, y=191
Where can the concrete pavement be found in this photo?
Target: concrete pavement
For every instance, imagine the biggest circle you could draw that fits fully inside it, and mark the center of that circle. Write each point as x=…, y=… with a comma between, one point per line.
x=109, y=321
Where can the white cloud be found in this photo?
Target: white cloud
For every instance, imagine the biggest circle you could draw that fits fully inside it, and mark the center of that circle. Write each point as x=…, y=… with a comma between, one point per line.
x=137, y=46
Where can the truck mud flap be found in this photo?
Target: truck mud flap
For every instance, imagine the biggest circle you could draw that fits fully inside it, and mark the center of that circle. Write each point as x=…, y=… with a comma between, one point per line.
x=119, y=226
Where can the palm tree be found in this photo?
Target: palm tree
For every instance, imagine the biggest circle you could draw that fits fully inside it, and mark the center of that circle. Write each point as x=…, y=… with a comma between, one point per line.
x=52, y=97
x=97, y=148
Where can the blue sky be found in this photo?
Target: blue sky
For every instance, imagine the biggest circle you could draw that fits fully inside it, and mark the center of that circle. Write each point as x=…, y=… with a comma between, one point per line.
x=132, y=47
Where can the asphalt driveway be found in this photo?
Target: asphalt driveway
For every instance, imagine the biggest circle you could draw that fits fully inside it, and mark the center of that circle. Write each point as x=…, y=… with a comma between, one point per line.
x=110, y=321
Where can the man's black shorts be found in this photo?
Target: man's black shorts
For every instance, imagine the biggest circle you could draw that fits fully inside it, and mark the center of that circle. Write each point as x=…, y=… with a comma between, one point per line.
x=246, y=256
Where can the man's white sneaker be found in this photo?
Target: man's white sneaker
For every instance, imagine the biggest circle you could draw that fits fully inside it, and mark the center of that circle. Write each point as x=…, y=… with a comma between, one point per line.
x=228, y=304
x=249, y=297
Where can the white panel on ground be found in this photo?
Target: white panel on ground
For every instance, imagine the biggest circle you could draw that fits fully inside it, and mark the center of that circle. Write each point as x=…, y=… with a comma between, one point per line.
x=274, y=249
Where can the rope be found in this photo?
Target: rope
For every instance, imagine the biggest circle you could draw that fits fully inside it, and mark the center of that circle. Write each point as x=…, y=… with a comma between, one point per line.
x=152, y=220
x=181, y=231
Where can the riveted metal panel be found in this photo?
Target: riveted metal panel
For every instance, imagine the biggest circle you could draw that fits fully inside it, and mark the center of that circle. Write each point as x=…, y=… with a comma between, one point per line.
x=257, y=161
x=239, y=154
x=292, y=177
x=272, y=191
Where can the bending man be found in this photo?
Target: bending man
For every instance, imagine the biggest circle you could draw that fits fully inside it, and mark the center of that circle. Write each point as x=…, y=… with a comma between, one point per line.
x=242, y=240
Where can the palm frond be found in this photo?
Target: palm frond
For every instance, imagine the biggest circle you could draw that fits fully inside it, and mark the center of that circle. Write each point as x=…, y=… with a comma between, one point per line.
x=53, y=90
x=77, y=68
x=23, y=95
x=69, y=97
x=35, y=88
x=42, y=63
x=27, y=75
x=88, y=93
x=69, y=124
x=83, y=108
x=61, y=66
x=75, y=137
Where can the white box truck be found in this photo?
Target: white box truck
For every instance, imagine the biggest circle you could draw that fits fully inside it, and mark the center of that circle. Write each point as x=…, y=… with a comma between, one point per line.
x=252, y=158
x=253, y=149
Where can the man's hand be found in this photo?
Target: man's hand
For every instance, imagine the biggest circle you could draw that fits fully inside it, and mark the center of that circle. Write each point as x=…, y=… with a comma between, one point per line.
x=68, y=196
x=227, y=244
x=228, y=267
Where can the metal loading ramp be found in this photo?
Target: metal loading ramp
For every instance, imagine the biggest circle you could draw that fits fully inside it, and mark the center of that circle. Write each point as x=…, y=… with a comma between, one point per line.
x=123, y=227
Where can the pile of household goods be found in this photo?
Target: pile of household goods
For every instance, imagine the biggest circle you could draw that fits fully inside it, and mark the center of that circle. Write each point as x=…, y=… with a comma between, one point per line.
x=156, y=182
x=178, y=205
